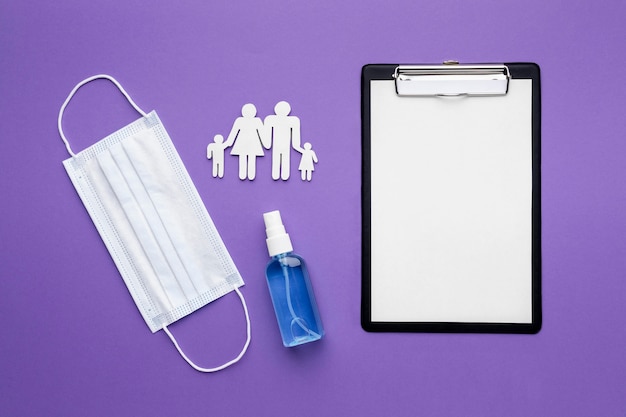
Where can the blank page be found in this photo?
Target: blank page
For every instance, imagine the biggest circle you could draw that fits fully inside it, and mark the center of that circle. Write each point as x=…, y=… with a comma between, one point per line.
x=451, y=206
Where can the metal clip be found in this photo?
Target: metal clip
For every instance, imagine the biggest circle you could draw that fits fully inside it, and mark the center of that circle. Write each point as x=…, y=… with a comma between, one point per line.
x=452, y=79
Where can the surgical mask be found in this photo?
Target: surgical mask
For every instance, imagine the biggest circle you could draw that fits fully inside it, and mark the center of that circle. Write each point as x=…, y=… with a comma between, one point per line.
x=153, y=223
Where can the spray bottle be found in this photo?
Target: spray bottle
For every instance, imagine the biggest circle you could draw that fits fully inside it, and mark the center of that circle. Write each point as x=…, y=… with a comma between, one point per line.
x=290, y=287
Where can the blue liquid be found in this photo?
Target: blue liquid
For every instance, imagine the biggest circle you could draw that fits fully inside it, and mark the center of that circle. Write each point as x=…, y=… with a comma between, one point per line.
x=293, y=300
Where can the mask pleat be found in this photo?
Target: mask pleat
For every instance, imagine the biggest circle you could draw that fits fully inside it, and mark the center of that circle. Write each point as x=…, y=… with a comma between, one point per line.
x=99, y=196
x=155, y=221
x=179, y=221
x=142, y=228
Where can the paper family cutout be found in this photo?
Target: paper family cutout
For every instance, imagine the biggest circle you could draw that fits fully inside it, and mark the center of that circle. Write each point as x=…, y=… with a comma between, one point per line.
x=250, y=135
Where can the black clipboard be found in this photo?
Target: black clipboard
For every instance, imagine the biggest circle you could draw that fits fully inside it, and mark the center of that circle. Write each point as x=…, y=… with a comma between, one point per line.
x=451, y=198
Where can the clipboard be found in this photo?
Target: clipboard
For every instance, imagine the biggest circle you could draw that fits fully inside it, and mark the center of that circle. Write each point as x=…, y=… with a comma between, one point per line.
x=451, y=198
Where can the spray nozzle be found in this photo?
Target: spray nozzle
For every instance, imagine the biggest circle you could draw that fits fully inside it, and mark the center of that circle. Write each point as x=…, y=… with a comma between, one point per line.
x=278, y=240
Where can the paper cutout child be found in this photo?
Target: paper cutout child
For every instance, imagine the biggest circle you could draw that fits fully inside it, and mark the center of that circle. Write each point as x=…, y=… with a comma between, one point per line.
x=307, y=161
x=248, y=137
x=215, y=151
x=282, y=132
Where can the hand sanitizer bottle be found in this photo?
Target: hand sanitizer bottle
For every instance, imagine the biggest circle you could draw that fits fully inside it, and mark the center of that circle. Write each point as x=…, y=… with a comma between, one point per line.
x=290, y=287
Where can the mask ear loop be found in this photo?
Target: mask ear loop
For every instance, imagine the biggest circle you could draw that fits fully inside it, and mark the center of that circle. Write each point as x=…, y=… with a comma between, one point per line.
x=80, y=84
x=227, y=364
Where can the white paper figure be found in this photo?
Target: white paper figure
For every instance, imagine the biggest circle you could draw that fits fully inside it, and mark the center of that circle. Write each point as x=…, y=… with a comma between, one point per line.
x=283, y=132
x=307, y=162
x=215, y=151
x=248, y=138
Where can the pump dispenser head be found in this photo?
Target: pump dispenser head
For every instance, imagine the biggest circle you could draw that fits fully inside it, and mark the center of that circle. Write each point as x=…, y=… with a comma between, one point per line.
x=278, y=240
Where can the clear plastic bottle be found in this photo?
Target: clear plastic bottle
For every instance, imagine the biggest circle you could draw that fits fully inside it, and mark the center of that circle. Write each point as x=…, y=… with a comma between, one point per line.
x=290, y=287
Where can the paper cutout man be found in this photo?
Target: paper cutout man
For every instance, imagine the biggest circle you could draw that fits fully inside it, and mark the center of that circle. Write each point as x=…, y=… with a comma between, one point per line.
x=215, y=151
x=307, y=161
x=248, y=138
x=283, y=132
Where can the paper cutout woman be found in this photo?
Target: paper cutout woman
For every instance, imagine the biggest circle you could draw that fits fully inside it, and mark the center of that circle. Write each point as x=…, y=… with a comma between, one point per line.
x=215, y=151
x=307, y=161
x=248, y=138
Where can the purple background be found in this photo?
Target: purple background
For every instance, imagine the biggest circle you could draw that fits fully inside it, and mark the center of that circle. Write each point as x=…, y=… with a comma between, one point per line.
x=73, y=342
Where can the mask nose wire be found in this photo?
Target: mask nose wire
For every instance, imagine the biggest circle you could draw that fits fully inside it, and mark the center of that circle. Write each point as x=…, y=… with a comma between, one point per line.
x=80, y=84
x=227, y=364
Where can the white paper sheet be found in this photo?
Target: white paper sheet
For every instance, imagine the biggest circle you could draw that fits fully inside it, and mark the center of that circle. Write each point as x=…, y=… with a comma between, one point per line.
x=451, y=184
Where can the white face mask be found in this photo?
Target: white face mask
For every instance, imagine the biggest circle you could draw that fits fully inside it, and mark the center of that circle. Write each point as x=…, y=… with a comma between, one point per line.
x=152, y=220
